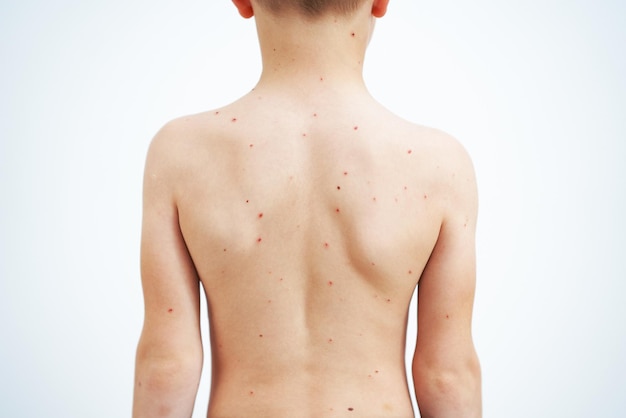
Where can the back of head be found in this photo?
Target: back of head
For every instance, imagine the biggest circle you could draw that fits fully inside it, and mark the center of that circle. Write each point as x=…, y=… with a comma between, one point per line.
x=311, y=8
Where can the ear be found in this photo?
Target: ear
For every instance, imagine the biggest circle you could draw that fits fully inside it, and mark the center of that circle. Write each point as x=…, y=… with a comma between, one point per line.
x=379, y=8
x=244, y=7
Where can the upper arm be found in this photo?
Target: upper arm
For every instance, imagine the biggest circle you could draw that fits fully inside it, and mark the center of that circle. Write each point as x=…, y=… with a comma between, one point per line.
x=446, y=288
x=169, y=279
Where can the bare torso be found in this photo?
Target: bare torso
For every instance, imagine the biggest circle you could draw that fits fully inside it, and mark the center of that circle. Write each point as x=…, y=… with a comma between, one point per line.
x=309, y=224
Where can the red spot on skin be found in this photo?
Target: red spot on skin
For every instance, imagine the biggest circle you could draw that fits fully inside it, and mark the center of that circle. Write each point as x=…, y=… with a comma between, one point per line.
x=314, y=115
x=170, y=310
x=251, y=145
x=350, y=409
x=345, y=173
x=303, y=135
x=353, y=34
x=217, y=113
x=338, y=187
x=388, y=300
x=233, y=120
x=330, y=283
x=410, y=271
x=373, y=264
x=356, y=128
x=259, y=239
x=330, y=340
x=374, y=199
x=260, y=215
x=224, y=249
x=260, y=335
x=406, y=188
x=321, y=78
x=337, y=210
x=425, y=196
x=447, y=316
x=251, y=393
x=326, y=245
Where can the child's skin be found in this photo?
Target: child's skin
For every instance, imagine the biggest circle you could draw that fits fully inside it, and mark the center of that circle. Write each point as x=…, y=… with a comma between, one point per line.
x=308, y=213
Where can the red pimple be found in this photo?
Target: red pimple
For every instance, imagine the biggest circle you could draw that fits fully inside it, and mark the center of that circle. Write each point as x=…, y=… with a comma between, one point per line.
x=330, y=283
x=261, y=215
x=337, y=210
x=326, y=245
x=353, y=34
x=356, y=128
x=233, y=120
x=410, y=151
x=170, y=310
x=259, y=239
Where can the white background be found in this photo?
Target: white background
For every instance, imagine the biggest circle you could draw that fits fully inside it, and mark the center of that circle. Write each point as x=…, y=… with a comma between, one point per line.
x=535, y=89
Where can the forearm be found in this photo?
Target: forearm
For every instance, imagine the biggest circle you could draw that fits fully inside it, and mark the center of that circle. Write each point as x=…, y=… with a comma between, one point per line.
x=166, y=387
x=450, y=393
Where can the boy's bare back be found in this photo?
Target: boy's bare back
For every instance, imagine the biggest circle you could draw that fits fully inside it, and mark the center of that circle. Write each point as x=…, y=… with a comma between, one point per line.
x=308, y=215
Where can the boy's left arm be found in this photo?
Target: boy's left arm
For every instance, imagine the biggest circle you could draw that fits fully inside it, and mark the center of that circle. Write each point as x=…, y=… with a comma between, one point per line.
x=169, y=354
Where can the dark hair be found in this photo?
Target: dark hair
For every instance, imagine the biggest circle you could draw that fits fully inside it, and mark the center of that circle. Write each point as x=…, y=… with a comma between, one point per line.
x=311, y=8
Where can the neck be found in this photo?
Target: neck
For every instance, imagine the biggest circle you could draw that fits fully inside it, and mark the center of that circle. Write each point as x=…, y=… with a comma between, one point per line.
x=326, y=52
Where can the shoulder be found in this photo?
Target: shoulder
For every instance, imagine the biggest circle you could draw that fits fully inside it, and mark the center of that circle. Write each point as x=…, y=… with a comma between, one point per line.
x=450, y=167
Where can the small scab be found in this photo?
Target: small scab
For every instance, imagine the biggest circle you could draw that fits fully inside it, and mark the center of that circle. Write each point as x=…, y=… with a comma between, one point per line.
x=350, y=409
x=353, y=34
x=338, y=187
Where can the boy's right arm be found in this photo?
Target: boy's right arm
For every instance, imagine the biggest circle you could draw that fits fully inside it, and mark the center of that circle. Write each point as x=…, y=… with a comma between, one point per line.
x=446, y=371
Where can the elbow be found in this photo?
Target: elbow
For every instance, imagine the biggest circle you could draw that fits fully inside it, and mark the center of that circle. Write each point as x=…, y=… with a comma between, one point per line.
x=160, y=371
x=452, y=390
